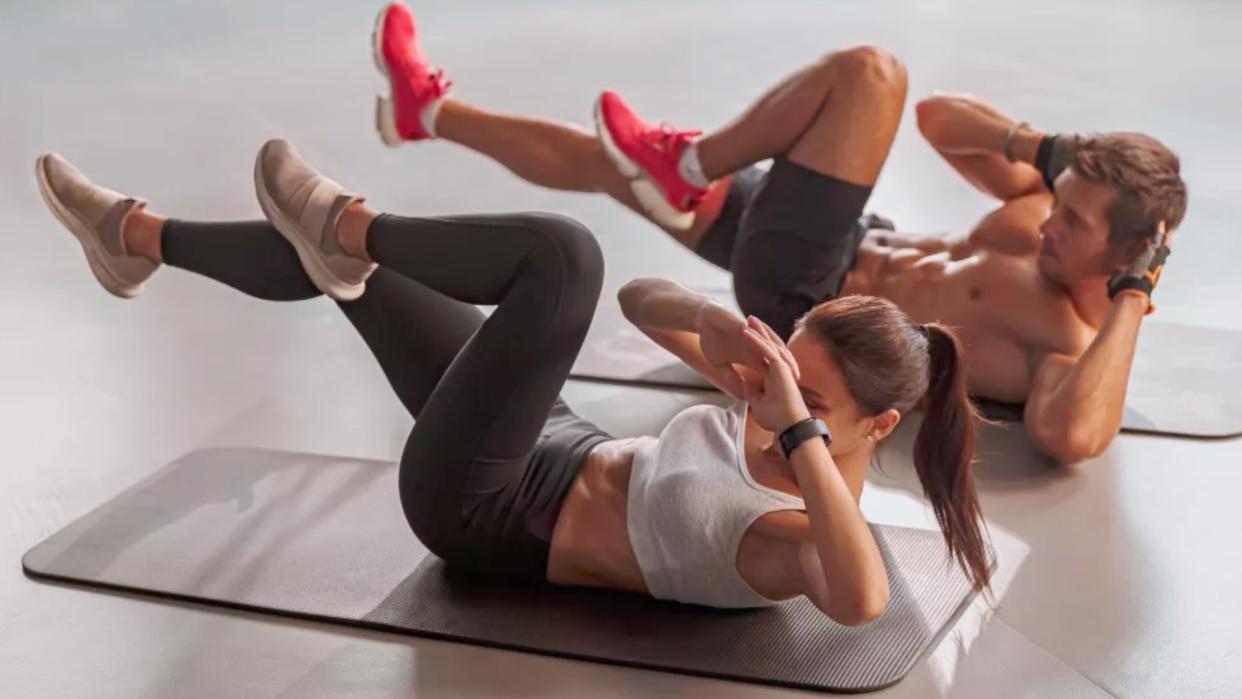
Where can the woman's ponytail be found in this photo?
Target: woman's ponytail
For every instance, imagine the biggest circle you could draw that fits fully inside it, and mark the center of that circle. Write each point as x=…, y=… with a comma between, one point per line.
x=943, y=453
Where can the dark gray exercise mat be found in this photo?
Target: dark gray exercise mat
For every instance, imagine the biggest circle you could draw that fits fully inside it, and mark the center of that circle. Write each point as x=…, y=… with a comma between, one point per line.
x=323, y=537
x=1186, y=380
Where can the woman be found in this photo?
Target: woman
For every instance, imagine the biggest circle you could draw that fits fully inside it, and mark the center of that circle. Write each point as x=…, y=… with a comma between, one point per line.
x=500, y=477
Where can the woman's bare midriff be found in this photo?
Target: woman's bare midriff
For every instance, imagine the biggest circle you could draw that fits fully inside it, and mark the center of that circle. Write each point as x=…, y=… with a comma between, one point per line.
x=590, y=542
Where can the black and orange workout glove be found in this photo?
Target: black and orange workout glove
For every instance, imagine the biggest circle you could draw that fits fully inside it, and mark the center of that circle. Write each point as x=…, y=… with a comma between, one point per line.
x=1144, y=271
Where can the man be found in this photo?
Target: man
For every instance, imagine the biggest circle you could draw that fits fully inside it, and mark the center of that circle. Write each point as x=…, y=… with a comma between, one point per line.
x=1047, y=292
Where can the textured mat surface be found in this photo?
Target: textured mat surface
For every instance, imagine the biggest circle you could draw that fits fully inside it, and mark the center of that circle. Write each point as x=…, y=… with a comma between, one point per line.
x=323, y=537
x=1186, y=380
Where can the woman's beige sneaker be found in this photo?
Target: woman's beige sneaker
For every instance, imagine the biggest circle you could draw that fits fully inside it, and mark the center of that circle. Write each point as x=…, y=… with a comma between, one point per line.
x=96, y=217
x=305, y=207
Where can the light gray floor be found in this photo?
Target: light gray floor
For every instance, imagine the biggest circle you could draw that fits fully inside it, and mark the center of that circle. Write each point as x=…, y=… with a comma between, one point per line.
x=1118, y=579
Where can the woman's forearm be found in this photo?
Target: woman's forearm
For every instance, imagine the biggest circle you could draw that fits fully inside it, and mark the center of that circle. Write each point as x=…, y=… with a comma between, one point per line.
x=852, y=565
x=662, y=304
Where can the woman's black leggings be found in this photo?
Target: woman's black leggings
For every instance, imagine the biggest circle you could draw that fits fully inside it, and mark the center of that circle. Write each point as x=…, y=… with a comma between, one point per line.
x=493, y=450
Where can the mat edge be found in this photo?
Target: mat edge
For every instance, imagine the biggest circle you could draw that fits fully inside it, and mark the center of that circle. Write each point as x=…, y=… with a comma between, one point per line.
x=145, y=594
x=687, y=388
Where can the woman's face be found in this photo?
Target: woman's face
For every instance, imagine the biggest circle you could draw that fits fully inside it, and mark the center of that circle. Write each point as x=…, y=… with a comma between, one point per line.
x=828, y=398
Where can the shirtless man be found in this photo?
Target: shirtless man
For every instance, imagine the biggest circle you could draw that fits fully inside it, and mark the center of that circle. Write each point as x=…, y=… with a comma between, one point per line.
x=1047, y=292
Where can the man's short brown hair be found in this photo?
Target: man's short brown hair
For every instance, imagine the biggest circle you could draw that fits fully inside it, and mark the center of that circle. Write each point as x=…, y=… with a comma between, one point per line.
x=1148, y=178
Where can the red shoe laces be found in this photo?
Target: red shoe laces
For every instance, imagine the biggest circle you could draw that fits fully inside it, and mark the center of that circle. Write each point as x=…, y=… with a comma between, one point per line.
x=670, y=140
x=439, y=85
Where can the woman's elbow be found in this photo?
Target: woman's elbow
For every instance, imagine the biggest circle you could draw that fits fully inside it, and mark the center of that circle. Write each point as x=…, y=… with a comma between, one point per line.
x=631, y=295
x=1079, y=445
x=863, y=610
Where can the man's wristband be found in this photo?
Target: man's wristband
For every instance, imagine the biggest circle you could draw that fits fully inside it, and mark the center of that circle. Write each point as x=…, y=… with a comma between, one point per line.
x=1138, y=296
x=1116, y=285
x=801, y=431
x=1054, y=154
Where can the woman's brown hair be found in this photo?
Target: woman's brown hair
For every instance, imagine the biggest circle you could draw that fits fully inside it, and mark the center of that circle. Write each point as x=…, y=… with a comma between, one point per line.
x=889, y=362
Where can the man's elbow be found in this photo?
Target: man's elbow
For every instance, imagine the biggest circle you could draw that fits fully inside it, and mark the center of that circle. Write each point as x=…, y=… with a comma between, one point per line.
x=927, y=114
x=934, y=114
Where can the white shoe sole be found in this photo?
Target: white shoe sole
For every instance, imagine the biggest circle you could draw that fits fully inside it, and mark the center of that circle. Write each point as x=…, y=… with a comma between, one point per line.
x=385, y=113
x=648, y=193
x=312, y=260
x=96, y=256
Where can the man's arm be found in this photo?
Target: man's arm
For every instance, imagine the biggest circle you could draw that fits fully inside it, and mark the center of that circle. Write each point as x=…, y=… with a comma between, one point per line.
x=971, y=134
x=1075, y=407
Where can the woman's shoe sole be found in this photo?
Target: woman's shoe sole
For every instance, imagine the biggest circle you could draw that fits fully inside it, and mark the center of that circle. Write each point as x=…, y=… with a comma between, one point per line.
x=385, y=114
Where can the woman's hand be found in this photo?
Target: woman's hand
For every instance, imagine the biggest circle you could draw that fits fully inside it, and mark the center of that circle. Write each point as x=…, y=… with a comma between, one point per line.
x=724, y=345
x=776, y=401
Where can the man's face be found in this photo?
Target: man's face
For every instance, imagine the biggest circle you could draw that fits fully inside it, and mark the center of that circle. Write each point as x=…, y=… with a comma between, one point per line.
x=1074, y=241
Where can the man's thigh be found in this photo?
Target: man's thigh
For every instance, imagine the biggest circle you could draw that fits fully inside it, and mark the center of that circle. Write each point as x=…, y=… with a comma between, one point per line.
x=798, y=240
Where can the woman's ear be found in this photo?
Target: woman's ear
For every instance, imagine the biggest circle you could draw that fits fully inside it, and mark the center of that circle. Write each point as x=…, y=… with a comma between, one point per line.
x=882, y=425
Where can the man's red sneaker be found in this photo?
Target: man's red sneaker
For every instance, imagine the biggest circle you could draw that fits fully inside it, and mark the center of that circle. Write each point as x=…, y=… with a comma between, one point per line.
x=413, y=86
x=648, y=154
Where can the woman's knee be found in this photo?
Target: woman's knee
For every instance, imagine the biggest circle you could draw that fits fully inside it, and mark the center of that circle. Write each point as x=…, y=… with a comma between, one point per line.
x=572, y=250
x=577, y=244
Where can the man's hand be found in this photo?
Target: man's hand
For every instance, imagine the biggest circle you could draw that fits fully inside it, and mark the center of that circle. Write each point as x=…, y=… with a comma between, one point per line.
x=1143, y=272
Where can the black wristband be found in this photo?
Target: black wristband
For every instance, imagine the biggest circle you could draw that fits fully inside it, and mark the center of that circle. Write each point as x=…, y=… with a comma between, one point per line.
x=1054, y=155
x=1116, y=285
x=1043, y=157
x=800, y=431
